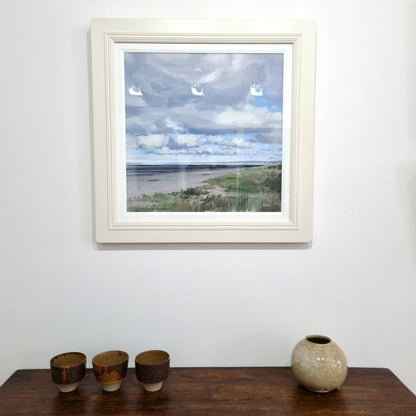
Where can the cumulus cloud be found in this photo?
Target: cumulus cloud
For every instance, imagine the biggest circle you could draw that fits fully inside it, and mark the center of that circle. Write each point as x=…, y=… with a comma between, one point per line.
x=249, y=118
x=236, y=142
x=187, y=140
x=148, y=142
x=239, y=142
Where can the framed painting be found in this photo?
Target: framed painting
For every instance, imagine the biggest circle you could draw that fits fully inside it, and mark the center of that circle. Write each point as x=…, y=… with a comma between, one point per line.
x=203, y=130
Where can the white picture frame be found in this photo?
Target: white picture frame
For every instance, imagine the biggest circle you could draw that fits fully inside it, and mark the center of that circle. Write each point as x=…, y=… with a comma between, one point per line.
x=111, y=39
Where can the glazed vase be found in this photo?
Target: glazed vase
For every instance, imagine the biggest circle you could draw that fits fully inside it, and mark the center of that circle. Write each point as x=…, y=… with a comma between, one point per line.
x=319, y=364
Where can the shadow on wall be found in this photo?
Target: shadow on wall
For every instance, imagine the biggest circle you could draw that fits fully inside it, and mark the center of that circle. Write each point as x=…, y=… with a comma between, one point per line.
x=412, y=197
x=202, y=246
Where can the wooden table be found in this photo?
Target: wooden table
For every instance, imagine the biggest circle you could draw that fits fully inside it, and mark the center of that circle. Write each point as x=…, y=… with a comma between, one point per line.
x=253, y=391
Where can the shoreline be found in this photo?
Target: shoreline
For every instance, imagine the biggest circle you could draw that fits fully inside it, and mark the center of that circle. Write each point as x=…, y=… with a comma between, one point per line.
x=151, y=182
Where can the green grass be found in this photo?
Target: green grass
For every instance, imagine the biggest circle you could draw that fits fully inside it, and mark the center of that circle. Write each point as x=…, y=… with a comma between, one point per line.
x=256, y=189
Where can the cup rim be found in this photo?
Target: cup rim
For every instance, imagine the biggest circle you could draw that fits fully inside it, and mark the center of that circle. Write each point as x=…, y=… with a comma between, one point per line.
x=123, y=358
x=81, y=355
x=318, y=339
x=165, y=353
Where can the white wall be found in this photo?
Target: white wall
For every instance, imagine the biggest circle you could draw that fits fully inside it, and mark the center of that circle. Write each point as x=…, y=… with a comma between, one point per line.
x=211, y=305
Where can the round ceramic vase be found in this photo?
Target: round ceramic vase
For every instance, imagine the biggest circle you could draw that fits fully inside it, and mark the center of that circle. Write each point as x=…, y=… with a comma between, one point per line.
x=319, y=364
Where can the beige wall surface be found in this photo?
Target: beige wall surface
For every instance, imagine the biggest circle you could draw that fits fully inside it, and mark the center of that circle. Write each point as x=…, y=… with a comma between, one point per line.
x=222, y=305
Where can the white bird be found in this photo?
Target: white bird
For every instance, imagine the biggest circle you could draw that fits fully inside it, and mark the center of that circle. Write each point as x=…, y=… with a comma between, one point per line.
x=256, y=90
x=135, y=91
x=197, y=90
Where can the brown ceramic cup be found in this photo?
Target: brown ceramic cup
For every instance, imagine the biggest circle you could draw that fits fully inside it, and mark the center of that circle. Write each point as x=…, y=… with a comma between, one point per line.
x=67, y=370
x=152, y=369
x=110, y=367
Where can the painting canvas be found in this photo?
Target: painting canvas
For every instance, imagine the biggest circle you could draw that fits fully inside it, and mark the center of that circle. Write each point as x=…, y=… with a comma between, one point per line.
x=203, y=131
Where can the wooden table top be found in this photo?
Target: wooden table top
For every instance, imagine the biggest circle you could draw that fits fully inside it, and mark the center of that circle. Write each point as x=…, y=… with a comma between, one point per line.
x=251, y=391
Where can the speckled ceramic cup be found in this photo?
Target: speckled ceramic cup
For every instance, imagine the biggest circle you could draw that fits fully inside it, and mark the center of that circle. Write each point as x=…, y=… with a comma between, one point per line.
x=110, y=367
x=152, y=369
x=67, y=370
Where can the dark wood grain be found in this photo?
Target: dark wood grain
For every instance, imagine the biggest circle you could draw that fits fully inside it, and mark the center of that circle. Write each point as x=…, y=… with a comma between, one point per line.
x=253, y=391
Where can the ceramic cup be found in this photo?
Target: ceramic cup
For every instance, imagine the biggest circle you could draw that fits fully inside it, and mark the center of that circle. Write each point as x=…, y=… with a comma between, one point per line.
x=110, y=367
x=67, y=370
x=152, y=369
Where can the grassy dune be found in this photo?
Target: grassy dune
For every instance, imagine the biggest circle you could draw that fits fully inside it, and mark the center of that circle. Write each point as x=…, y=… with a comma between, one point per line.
x=255, y=189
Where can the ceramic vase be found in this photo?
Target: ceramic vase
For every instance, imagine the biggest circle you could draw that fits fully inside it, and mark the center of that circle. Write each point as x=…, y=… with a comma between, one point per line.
x=319, y=364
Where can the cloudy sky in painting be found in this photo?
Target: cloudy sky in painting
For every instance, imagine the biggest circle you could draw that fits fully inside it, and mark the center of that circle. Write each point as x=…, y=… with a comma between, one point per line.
x=191, y=108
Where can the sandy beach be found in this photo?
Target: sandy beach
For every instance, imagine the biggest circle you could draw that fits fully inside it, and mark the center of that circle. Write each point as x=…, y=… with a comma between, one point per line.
x=166, y=182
